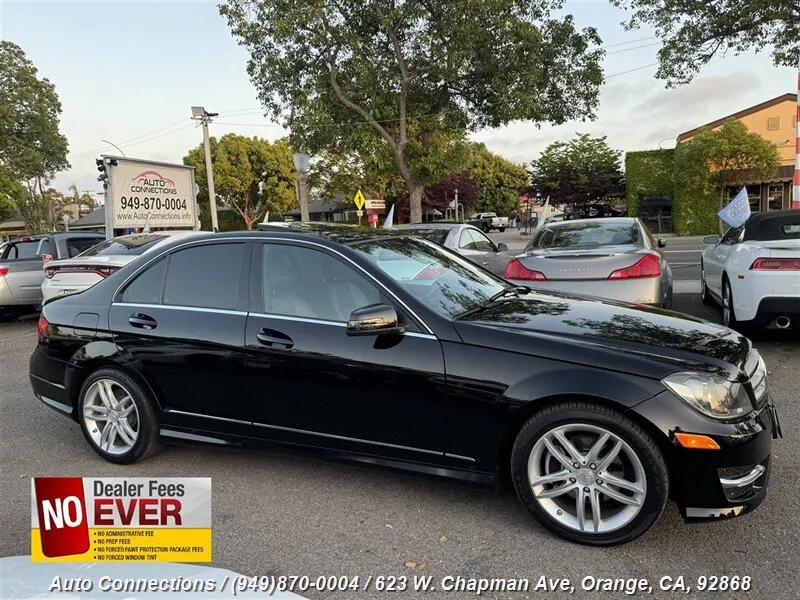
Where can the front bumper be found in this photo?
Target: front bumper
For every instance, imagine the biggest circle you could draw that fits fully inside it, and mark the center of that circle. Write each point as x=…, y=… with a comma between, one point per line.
x=712, y=484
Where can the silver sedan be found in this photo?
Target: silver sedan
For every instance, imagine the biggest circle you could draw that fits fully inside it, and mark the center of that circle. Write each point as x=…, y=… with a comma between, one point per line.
x=467, y=240
x=614, y=258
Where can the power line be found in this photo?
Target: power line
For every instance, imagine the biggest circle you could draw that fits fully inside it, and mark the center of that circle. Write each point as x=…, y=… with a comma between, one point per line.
x=652, y=37
x=633, y=48
x=631, y=70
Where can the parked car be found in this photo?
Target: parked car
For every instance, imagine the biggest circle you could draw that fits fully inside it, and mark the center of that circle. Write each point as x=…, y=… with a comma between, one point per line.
x=753, y=272
x=613, y=258
x=487, y=221
x=392, y=350
x=556, y=218
x=467, y=240
x=76, y=274
x=21, y=262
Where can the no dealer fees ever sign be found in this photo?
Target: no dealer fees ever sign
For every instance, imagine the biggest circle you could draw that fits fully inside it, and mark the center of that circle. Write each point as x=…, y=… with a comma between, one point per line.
x=119, y=519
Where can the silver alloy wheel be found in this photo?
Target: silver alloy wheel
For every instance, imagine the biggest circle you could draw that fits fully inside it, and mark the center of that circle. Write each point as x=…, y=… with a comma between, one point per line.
x=111, y=417
x=573, y=465
x=726, y=304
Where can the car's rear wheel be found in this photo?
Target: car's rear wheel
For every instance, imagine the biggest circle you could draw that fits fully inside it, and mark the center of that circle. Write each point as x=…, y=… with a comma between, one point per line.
x=728, y=312
x=502, y=229
x=118, y=417
x=705, y=296
x=589, y=474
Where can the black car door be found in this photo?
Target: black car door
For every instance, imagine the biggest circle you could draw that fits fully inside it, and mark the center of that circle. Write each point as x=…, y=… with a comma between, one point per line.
x=313, y=384
x=181, y=323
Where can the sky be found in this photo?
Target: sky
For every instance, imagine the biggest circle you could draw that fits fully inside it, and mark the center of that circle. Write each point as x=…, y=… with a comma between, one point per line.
x=128, y=73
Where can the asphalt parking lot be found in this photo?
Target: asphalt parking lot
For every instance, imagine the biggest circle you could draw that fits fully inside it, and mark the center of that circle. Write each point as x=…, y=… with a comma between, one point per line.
x=276, y=514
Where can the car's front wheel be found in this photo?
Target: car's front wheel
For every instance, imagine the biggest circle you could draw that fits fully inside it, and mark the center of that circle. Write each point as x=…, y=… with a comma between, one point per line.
x=589, y=474
x=728, y=312
x=118, y=417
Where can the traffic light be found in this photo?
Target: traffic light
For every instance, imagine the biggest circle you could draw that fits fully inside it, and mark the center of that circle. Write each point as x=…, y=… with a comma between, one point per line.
x=101, y=166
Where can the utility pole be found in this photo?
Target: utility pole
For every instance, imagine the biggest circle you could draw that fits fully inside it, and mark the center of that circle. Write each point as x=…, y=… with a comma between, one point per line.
x=199, y=114
x=796, y=180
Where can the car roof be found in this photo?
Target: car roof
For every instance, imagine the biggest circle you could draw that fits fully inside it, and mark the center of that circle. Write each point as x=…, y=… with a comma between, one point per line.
x=603, y=220
x=341, y=233
x=433, y=225
x=764, y=226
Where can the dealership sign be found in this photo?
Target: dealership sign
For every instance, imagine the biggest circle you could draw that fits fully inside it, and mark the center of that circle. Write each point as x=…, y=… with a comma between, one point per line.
x=121, y=519
x=160, y=195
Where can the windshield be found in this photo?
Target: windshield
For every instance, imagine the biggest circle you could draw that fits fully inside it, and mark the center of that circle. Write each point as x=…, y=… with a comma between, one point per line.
x=587, y=235
x=128, y=245
x=14, y=250
x=445, y=282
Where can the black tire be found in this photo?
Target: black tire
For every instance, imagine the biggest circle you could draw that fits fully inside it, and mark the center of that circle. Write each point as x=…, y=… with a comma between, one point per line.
x=583, y=413
x=485, y=228
x=729, y=319
x=502, y=229
x=147, y=441
x=705, y=296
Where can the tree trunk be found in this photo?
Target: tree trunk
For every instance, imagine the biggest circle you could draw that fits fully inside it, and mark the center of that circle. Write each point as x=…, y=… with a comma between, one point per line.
x=415, y=203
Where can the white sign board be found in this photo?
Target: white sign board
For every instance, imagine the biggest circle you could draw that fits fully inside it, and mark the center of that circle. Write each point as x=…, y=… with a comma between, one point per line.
x=375, y=204
x=160, y=195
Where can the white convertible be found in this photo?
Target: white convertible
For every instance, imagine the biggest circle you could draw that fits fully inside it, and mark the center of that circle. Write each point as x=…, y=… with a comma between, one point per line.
x=753, y=272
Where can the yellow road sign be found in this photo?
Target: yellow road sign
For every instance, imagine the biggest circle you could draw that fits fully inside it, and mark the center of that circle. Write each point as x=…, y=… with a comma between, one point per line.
x=359, y=200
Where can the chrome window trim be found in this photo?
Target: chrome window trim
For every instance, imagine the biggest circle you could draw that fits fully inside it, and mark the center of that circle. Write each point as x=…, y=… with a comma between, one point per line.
x=342, y=324
x=257, y=238
x=222, y=311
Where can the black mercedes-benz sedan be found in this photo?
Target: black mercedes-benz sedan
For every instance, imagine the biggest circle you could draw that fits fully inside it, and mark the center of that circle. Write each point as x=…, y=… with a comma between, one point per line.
x=388, y=349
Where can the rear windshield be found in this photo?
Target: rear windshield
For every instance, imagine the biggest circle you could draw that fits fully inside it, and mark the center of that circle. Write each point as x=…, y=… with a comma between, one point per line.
x=129, y=245
x=13, y=250
x=587, y=235
x=437, y=236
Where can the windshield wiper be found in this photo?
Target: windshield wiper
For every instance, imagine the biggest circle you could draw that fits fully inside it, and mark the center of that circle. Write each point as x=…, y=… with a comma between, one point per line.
x=515, y=291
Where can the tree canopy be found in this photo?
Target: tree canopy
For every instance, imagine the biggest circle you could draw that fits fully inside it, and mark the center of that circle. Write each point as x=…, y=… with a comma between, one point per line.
x=499, y=181
x=31, y=146
x=340, y=75
x=578, y=172
x=713, y=161
x=694, y=32
x=251, y=175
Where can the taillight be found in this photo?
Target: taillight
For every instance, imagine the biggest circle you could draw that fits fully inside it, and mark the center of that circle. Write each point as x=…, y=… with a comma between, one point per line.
x=647, y=266
x=47, y=257
x=3, y=271
x=48, y=273
x=776, y=264
x=516, y=270
x=106, y=271
x=42, y=328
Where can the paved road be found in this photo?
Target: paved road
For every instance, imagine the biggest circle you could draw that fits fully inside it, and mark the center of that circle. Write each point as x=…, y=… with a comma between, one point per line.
x=284, y=515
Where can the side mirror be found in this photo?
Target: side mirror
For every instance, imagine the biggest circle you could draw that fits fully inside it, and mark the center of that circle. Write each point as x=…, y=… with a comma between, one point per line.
x=375, y=319
x=502, y=247
x=662, y=243
x=711, y=240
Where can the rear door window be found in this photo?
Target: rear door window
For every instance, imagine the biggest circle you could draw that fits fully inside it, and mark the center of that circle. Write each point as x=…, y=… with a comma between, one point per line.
x=205, y=276
x=76, y=246
x=15, y=250
x=146, y=288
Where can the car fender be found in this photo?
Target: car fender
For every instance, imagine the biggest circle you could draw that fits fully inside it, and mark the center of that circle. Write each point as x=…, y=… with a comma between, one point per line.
x=622, y=389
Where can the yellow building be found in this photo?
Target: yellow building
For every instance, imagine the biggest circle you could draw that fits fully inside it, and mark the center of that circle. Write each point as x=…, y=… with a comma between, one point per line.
x=774, y=120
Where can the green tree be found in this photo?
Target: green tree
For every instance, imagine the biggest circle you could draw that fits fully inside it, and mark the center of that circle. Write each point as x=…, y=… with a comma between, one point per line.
x=12, y=194
x=31, y=147
x=578, y=172
x=499, y=181
x=341, y=75
x=251, y=175
x=695, y=31
x=81, y=200
x=40, y=210
x=710, y=163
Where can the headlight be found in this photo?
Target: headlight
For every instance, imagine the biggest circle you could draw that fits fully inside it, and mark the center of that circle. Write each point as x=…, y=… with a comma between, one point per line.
x=710, y=394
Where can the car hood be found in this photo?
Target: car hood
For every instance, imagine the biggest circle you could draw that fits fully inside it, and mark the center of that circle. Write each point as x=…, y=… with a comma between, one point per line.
x=613, y=335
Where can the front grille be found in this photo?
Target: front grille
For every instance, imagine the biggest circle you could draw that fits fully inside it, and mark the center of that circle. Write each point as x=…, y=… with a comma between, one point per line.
x=756, y=373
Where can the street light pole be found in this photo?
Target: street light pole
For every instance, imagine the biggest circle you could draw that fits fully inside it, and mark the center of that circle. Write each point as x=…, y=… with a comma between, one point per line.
x=200, y=114
x=115, y=146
